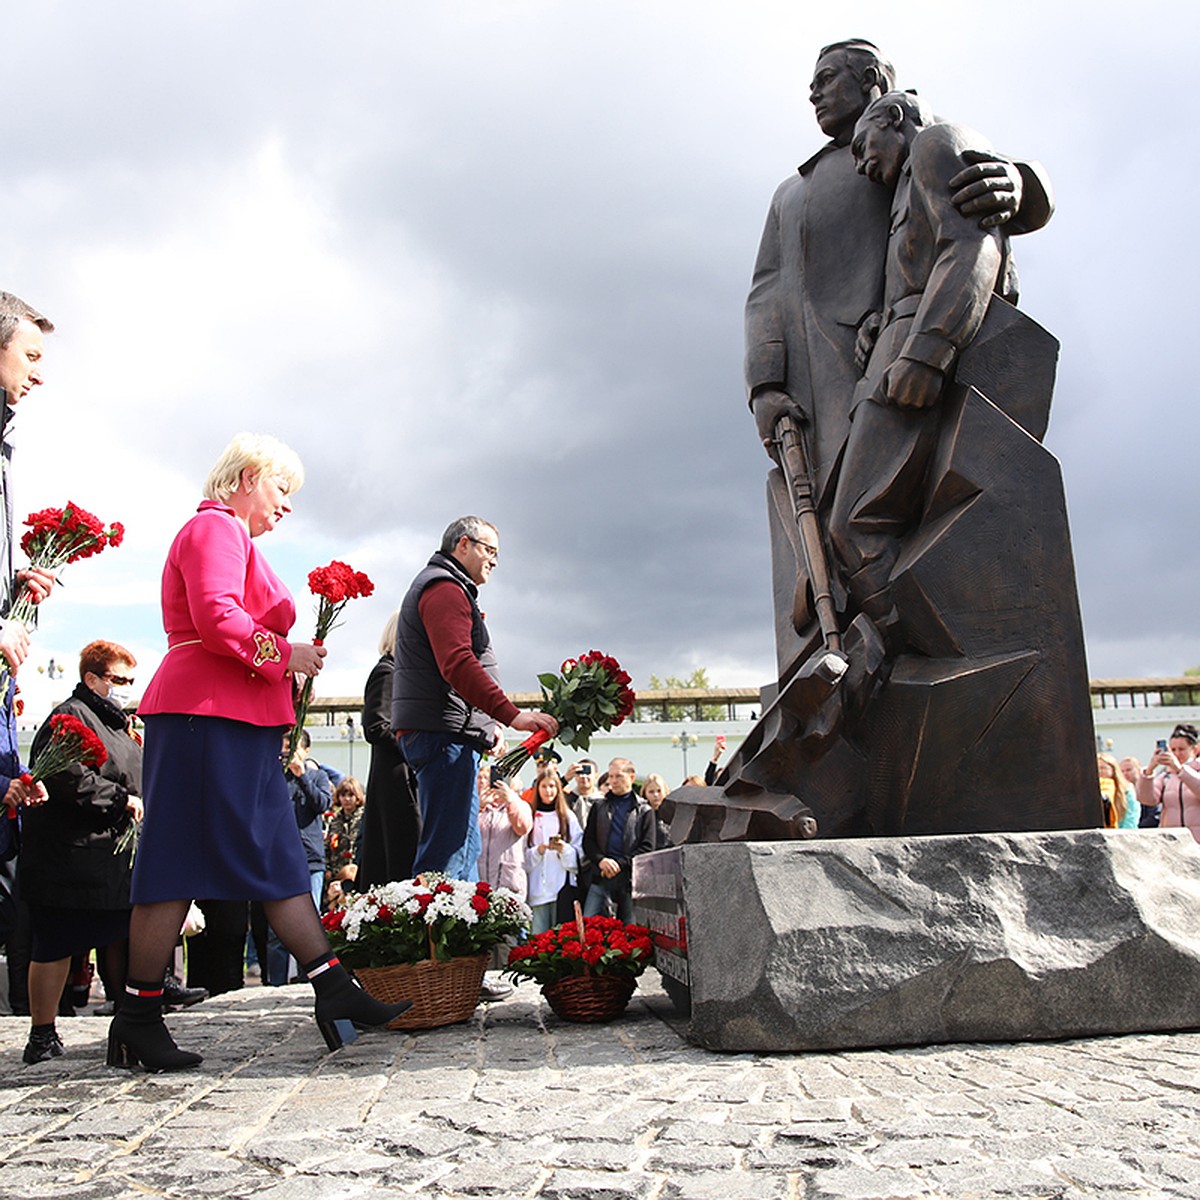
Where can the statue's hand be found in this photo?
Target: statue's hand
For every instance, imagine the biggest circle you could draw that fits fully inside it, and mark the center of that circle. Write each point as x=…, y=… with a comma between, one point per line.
x=769, y=405
x=909, y=384
x=990, y=188
x=864, y=343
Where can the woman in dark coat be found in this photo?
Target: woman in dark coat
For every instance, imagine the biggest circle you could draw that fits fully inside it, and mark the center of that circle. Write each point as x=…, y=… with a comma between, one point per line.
x=72, y=873
x=391, y=820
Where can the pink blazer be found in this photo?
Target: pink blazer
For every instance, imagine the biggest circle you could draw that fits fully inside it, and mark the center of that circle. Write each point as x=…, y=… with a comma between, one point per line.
x=226, y=613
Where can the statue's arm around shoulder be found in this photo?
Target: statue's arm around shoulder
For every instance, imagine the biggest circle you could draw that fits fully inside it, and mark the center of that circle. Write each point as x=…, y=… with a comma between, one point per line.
x=1037, y=199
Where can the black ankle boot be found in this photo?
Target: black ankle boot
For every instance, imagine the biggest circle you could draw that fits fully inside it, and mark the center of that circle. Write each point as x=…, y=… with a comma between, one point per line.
x=44, y=1043
x=342, y=1003
x=137, y=1033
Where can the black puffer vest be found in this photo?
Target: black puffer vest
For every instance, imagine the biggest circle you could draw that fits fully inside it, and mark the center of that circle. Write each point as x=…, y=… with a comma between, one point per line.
x=421, y=698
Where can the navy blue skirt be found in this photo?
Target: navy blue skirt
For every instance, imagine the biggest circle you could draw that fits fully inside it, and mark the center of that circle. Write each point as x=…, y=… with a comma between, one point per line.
x=219, y=822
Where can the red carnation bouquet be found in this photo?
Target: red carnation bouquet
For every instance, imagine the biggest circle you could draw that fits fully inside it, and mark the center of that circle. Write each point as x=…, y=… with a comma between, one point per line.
x=591, y=693
x=71, y=741
x=584, y=946
x=334, y=586
x=56, y=537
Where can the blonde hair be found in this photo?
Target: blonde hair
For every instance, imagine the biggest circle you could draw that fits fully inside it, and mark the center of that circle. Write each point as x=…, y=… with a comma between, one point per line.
x=655, y=779
x=387, y=639
x=1119, y=784
x=257, y=453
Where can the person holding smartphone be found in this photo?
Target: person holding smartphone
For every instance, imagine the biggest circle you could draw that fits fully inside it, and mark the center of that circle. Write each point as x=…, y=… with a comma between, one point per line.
x=1170, y=781
x=552, y=850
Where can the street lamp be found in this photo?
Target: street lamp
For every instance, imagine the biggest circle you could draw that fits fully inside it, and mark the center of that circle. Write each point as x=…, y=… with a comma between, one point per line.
x=349, y=732
x=682, y=741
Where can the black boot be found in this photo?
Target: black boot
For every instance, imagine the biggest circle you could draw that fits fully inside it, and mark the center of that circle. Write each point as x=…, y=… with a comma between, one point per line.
x=342, y=1003
x=44, y=1043
x=175, y=995
x=137, y=1033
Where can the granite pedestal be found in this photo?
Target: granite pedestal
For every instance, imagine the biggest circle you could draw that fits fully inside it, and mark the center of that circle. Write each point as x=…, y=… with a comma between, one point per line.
x=787, y=946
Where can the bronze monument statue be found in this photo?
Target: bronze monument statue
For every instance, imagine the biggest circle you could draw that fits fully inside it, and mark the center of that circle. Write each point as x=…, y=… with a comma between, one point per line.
x=930, y=651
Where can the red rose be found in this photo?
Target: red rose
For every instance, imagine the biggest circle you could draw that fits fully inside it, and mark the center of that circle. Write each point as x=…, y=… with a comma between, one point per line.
x=384, y=915
x=593, y=954
x=479, y=904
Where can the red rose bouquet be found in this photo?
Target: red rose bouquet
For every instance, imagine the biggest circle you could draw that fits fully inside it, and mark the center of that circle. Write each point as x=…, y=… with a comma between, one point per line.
x=334, y=586
x=585, y=946
x=591, y=693
x=56, y=537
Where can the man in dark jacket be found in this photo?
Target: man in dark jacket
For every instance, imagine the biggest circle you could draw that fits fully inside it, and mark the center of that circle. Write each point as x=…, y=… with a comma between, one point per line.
x=22, y=330
x=447, y=703
x=619, y=827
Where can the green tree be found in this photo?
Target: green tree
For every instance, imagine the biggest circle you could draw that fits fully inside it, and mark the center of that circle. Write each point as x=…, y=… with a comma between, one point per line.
x=685, y=712
x=1182, y=698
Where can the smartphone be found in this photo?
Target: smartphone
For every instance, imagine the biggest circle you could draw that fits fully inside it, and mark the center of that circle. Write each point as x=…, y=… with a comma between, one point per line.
x=1162, y=745
x=496, y=776
x=555, y=842
x=583, y=769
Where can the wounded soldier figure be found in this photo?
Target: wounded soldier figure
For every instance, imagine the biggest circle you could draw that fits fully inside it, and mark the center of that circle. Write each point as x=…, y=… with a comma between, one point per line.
x=941, y=270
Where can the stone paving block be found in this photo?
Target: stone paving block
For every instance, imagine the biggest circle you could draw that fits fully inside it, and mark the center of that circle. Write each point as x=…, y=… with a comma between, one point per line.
x=721, y=1185
x=860, y=1183
x=585, y=1156
x=1098, y=1171
x=821, y=1110
x=702, y=1133
x=919, y=1154
x=963, y=1181
x=672, y=1157
x=485, y=1179
x=96, y=1189
x=826, y=1134
x=418, y=1140
x=597, y=1185
x=782, y=1157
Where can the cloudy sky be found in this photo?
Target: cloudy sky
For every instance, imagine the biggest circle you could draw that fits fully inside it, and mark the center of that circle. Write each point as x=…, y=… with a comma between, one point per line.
x=481, y=256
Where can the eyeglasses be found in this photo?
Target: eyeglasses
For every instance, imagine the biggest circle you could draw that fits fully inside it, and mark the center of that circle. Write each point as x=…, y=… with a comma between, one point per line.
x=118, y=680
x=493, y=552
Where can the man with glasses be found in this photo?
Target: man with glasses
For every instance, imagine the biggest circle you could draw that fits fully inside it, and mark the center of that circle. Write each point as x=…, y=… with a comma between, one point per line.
x=447, y=703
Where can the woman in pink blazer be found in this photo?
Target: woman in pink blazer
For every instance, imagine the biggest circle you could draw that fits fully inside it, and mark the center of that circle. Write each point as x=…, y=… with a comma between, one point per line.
x=219, y=823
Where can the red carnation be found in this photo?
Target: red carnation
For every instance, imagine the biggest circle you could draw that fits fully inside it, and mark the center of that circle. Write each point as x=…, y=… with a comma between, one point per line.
x=333, y=585
x=54, y=538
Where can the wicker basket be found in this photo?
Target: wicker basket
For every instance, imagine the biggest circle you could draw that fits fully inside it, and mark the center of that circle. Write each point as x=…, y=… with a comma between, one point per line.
x=443, y=993
x=590, y=999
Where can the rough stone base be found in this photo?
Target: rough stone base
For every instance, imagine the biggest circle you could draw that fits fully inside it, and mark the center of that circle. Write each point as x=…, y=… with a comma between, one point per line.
x=822, y=945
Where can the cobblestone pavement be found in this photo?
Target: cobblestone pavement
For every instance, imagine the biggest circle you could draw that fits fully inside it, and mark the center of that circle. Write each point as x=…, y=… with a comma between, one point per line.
x=518, y=1103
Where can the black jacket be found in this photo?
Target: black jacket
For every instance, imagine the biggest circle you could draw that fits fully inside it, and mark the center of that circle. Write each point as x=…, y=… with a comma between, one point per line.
x=68, y=857
x=639, y=839
x=391, y=825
